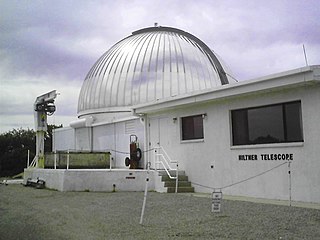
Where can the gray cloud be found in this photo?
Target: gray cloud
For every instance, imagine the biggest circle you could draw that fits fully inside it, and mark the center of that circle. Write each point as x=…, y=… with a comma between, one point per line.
x=47, y=45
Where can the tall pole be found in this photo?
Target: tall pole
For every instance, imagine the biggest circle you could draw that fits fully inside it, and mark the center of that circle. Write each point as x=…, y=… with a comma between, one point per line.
x=28, y=159
x=145, y=194
x=289, y=172
x=305, y=55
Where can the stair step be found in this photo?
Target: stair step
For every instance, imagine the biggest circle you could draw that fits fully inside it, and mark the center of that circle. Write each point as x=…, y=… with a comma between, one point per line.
x=172, y=173
x=180, y=184
x=183, y=184
x=180, y=189
x=180, y=178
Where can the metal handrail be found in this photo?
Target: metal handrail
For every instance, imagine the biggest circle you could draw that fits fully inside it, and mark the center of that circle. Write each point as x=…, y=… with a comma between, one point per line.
x=166, y=154
x=167, y=166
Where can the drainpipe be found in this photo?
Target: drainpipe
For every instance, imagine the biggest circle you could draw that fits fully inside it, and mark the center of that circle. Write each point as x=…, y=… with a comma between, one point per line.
x=114, y=144
x=146, y=144
x=144, y=120
x=91, y=138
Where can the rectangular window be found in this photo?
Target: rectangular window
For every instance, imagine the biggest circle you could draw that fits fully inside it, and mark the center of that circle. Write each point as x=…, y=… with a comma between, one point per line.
x=192, y=127
x=268, y=124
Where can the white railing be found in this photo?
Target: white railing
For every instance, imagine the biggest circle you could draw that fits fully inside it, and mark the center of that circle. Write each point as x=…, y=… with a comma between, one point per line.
x=56, y=154
x=162, y=158
x=34, y=162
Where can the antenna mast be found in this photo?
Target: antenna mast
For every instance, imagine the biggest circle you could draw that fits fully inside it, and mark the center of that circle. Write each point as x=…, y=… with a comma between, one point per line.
x=305, y=55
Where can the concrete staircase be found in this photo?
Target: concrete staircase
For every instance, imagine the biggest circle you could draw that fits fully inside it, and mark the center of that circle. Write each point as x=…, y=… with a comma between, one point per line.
x=183, y=184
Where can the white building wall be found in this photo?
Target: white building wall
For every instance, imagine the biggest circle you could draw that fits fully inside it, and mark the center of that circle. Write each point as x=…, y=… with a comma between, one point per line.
x=115, y=137
x=63, y=139
x=198, y=157
x=83, y=139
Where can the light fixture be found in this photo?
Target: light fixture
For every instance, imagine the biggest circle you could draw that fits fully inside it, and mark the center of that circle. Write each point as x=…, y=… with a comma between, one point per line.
x=204, y=115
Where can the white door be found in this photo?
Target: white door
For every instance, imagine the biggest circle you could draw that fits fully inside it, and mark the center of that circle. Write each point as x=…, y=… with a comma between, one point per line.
x=158, y=136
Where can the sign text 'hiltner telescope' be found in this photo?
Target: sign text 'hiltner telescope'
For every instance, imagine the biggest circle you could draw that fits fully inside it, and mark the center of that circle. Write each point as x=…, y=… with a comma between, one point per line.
x=266, y=157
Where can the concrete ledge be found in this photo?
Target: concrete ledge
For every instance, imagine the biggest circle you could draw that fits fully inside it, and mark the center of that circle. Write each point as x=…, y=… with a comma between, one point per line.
x=53, y=179
x=100, y=180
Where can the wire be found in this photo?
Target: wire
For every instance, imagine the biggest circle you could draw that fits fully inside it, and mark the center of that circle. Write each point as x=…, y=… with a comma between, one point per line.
x=258, y=175
x=198, y=184
x=232, y=77
x=204, y=186
x=247, y=179
x=116, y=151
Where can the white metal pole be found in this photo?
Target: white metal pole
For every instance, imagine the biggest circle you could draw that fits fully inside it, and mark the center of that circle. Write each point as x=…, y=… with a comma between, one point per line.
x=289, y=172
x=110, y=161
x=158, y=159
x=177, y=178
x=68, y=159
x=145, y=195
x=28, y=160
x=55, y=159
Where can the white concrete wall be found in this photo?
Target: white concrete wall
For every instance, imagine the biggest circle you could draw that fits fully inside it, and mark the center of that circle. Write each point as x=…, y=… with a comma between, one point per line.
x=197, y=157
x=94, y=180
x=83, y=141
x=63, y=139
x=103, y=180
x=54, y=178
x=115, y=137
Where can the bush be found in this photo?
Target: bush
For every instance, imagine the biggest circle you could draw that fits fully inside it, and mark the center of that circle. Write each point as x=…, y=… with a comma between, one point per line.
x=14, y=146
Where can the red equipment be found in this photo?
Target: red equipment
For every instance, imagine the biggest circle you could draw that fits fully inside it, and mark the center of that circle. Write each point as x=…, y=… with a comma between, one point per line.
x=135, y=153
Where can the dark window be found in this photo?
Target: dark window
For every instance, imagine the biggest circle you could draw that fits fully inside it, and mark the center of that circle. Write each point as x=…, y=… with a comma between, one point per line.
x=192, y=127
x=269, y=124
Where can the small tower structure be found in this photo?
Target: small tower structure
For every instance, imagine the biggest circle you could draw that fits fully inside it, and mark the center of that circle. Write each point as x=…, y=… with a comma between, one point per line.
x=43, y=107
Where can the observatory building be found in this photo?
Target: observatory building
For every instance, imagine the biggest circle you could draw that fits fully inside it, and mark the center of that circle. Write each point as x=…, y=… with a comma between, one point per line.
x=167, y=93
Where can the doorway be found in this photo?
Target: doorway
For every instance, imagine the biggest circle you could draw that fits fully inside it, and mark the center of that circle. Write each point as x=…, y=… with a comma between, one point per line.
x=158, y=136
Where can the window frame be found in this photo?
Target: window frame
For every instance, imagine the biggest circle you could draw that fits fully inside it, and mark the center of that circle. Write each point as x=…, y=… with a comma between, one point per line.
x=246, y=128
x=193, y=138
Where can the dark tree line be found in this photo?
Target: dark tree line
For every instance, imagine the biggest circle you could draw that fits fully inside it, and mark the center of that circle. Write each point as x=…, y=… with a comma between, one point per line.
x=14, y=146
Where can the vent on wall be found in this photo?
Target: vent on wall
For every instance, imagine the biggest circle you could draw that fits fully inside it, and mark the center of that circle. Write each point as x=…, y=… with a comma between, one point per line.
x=130, y=127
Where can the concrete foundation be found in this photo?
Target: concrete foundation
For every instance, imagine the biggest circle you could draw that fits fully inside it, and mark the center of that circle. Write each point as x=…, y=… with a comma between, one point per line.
x=96, y=179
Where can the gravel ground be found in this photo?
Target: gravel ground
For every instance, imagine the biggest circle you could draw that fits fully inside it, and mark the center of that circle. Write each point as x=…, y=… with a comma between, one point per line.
x=28, y=213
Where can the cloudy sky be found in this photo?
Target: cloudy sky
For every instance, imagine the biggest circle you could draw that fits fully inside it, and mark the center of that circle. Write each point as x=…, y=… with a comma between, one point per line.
x=47, y=45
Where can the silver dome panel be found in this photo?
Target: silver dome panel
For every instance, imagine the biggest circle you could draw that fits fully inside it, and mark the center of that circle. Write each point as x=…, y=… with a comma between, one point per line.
x=151, y=64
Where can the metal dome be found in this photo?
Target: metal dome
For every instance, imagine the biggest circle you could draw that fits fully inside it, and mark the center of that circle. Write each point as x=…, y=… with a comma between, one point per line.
x=151, y=64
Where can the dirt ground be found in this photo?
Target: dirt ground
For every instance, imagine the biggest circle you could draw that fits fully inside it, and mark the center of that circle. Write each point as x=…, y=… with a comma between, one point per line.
x=29, y=213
